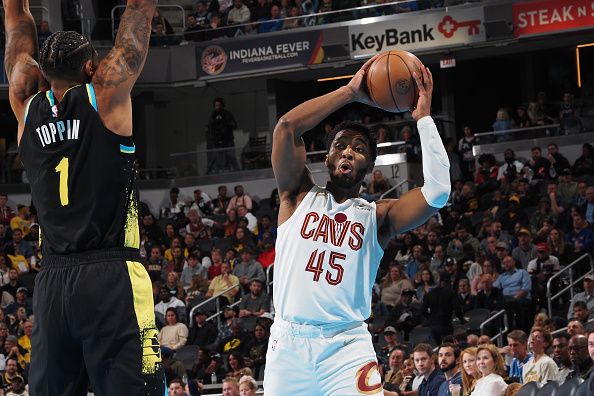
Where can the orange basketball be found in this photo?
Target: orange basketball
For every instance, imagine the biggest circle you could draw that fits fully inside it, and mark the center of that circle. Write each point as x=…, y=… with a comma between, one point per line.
x=390, y=82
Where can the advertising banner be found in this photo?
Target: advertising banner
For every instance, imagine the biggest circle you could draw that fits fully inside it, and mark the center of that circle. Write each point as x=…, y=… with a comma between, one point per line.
x=239, y=56
x=425, y=31
x=549, y=16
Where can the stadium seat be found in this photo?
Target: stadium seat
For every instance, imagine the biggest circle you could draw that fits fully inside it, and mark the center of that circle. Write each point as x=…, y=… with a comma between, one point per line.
x=187, y=355
x=584, y=390
x=551, y=388
x=529, y=389
x=476, y=317
x=570, y=387
x=421, y=335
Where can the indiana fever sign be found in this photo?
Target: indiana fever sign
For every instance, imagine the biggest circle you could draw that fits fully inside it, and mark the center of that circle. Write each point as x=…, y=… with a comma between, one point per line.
x=254, y=54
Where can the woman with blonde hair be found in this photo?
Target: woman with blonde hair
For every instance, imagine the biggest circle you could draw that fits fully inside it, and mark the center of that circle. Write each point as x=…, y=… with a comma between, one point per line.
x=247, y=386
x=469, y=370
x=492, y=369
x=540, y=319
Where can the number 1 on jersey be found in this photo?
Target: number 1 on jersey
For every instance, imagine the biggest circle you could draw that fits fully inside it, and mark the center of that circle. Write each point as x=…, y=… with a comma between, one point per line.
x=62, y=169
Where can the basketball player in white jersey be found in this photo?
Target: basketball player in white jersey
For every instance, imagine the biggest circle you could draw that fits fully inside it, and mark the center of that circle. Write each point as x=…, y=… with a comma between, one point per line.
x=330, y=243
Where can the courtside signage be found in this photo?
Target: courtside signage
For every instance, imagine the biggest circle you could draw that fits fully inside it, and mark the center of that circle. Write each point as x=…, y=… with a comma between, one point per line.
x=237, y=56
x=549, y=16
x=428, y=30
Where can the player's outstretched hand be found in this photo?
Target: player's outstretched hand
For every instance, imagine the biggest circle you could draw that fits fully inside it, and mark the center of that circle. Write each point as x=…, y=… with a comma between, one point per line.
x=358, y=85
x=425, y=93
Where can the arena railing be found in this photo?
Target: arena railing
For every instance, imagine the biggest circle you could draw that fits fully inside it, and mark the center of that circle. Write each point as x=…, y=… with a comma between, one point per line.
x=217, y=314
x=516, y=134
x=567, y=271
x=502, y=332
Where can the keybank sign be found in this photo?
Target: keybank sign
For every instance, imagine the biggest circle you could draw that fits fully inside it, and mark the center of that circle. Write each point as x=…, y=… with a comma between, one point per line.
x=417, y=31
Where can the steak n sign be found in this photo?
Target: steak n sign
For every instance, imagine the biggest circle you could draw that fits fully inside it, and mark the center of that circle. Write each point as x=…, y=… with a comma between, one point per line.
x=540, y=17
x=427, y=30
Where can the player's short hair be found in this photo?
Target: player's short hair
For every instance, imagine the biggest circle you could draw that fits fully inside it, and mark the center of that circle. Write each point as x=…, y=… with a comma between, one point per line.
x=354, y=126
x=423, y=348
x=519, y=336
x=64, y=54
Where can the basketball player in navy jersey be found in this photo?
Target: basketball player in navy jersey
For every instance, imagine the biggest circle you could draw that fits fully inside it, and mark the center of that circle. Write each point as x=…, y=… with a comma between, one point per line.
x=330, y=243
x=93, y=301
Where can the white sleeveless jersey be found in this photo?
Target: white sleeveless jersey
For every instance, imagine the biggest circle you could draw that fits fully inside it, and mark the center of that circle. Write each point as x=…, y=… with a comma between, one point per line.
x=327, y=256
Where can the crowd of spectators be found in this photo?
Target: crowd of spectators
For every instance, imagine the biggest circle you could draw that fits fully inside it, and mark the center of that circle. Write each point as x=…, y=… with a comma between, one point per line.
x=228, y=18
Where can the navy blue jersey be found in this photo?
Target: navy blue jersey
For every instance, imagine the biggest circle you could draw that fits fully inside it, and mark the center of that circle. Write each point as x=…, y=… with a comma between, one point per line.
x=81, y=174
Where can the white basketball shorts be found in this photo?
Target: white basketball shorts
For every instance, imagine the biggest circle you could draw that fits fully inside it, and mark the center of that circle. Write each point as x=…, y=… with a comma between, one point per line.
x=320, y=361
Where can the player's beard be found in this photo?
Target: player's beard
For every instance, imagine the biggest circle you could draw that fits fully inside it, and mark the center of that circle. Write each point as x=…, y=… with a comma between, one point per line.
x=346, y=181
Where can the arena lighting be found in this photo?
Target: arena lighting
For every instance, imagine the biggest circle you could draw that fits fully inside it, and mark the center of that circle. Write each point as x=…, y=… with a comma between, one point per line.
x=577, y=61
x=335, y=78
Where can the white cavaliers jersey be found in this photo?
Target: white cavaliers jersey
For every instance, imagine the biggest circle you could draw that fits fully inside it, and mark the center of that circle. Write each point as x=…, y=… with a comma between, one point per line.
x=327, y=256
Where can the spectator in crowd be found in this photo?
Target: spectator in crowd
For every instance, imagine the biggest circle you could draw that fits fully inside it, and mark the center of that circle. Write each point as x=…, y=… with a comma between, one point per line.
x=222, y=282
x=292, y=20
x=591, y=345
x=236, y=364
x=568, y=115
x=202, y=203
x=584, y=165
x=254, y=304
x=159, y=19
x=221, y=124
x=201, y=14
x=194, y=267
x=405, y=316
x=557, y=160
x=173, y=335
x=173, y=206
x=516, y=287
x=492, y=369
x=586, y=296
x=503, y=122
x=239, y=14
x=248, y=269
x=517, y=348
x=273, y=23
x=267, y=253
x=522, y=119
x=258, y=348
x=230, y=387
x=438, y=307
x=540, y=367
x=5, y=236
x=43, y=32
x=465, y=148
x=392, y=285
x=391, y=342
x=540, y=269
x=18, y=246
x=511, y=168
x=395, y=364
x=413, y=265
x=463, y=237
x=167, y=301
x=22, y=221
x=6, y=213
x=432, y=378
x=580, y=238
x=199, y=227
x=488, y=297
x=202, y=332
x=561, y=355
x=448, y=355
x=247, y=386
x=567, y=187
x=427, y=284
x=240, y=198
x=542, y=214
x=378, y=185
x=465, y=299
x=557, y=206
x=252, y=221
x=582, y=365
x=13, y=284
x=11, y=375
x=588, y=207
x=469, y=370
x=176, y=388
x=266, y=228
x=20, y=301
x=220, y=202
x=192, y=28
x=575, y=327
x=486, y=175
x=238, y=341
x=538, y=165
x=581, y=314
x=411, y=146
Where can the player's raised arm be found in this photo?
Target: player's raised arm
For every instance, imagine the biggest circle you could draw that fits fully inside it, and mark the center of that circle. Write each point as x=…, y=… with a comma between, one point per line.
x=119, y=70
x=288, y=149
x=20, y=57
x=417, y=205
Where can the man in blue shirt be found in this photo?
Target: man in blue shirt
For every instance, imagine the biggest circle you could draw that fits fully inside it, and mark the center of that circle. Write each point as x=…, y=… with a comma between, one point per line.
x=448, y=355
x=516, y=285
x=517, y=347
x=432, y=378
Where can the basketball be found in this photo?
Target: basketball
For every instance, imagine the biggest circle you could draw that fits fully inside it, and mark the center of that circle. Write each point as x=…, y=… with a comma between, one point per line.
x=390, y=82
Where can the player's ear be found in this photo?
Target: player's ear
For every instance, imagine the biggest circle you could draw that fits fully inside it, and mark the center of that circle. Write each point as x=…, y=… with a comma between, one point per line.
x=89, y=68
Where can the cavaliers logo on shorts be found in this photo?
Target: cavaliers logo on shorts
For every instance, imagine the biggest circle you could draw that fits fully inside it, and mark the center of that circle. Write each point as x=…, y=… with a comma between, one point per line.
x=151, y=351
x=364, y=375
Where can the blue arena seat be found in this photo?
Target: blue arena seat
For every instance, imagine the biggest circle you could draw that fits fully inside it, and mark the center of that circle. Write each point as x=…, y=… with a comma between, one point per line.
x=570, y=387
x=551, y=388
x=529, y=389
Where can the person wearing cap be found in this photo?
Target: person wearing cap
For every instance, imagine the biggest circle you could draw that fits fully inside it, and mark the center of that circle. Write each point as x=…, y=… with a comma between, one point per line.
x=513, y=214
x=390, y=337
x=525, y=251
x=21, y=301
x=248, y=269
x=516, y=286
x=586, y=296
